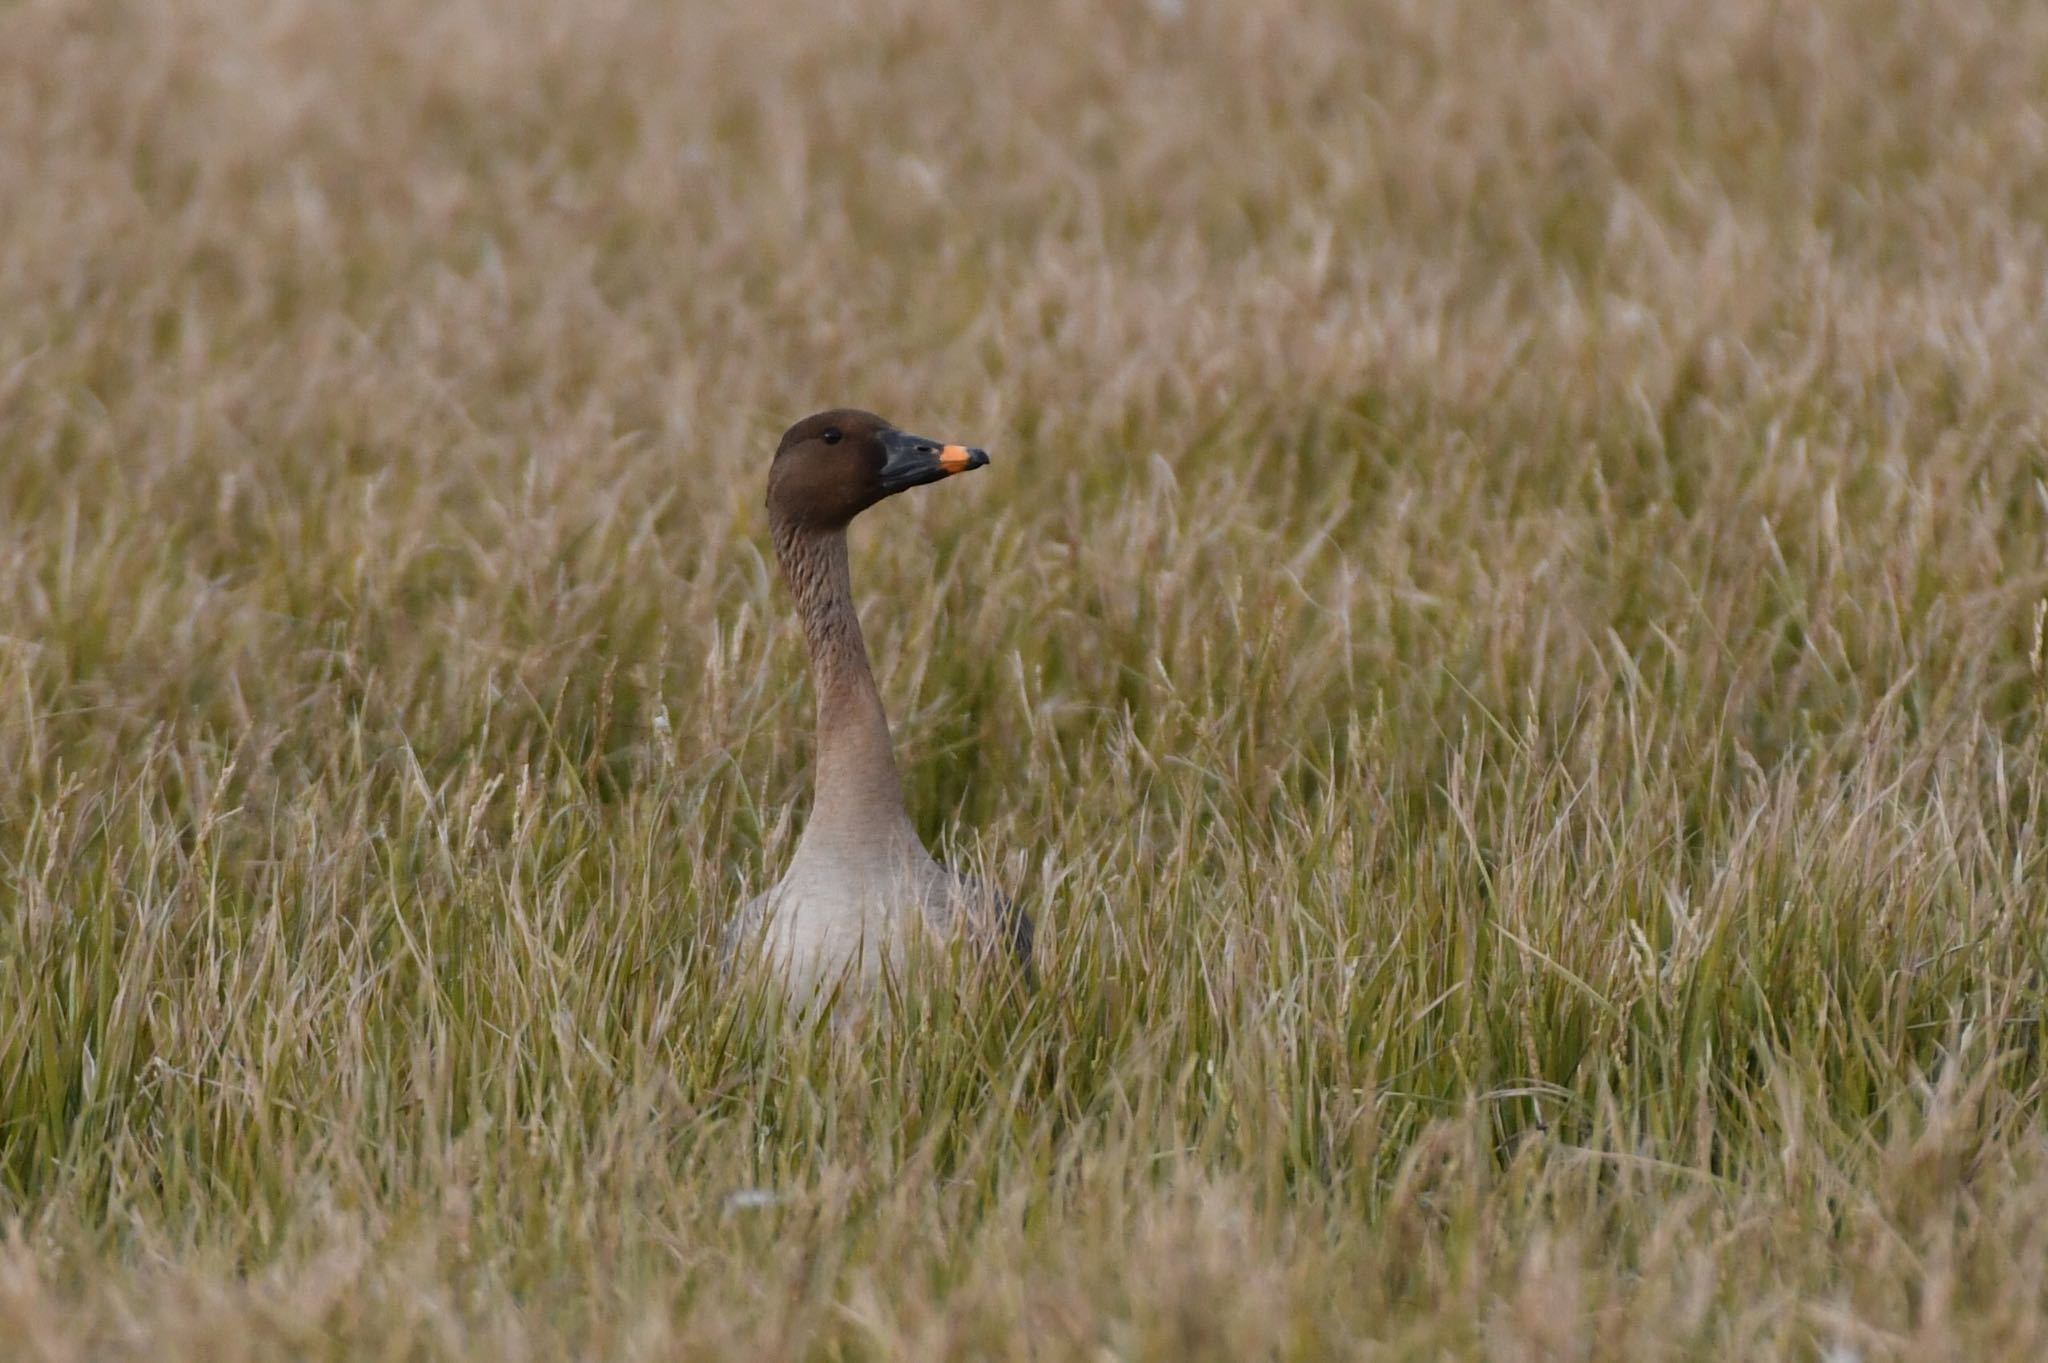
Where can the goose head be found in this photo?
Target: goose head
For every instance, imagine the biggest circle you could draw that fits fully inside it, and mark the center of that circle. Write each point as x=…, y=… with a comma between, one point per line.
x=832, y=466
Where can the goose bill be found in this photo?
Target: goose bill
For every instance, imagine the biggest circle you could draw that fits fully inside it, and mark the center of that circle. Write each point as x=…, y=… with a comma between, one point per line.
x=912, y=461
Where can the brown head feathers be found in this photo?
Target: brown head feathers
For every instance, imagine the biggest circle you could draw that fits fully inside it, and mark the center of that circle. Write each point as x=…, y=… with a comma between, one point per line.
x=832, y=466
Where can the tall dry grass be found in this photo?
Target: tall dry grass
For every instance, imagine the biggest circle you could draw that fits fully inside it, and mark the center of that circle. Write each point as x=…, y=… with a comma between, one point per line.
x=1502, y=643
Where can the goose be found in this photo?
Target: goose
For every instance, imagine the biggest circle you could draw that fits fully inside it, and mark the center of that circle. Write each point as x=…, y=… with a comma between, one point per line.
x=861, y=890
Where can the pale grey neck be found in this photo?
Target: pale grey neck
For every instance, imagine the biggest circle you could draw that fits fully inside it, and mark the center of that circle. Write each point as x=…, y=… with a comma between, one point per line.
x=859, y=799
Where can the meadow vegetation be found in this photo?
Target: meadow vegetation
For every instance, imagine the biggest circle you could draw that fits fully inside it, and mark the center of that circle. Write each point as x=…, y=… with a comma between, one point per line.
x=1502, y=643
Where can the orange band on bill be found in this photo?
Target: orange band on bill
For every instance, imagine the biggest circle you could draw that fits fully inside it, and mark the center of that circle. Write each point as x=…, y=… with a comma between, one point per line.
x=954, y=458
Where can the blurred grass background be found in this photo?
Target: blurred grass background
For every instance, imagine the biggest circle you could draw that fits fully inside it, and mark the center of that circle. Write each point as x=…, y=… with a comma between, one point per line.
x=1502, y=643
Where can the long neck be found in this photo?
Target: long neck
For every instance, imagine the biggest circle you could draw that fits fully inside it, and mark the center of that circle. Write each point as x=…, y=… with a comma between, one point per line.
x=859, y=798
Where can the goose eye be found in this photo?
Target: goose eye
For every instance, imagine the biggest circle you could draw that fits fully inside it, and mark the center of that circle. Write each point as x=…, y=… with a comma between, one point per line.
x=832, y=436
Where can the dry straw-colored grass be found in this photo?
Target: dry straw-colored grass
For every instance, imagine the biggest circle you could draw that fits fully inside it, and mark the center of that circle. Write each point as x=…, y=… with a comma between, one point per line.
x=1502, y=642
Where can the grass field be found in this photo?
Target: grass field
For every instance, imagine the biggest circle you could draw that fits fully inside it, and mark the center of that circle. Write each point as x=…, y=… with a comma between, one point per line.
x=1503, y=644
